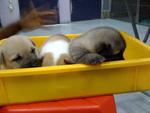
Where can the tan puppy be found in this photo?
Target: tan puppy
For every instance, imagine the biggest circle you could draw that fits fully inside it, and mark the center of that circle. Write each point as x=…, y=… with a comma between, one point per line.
x=18, y=52
x=55, y=50
x=97, y=45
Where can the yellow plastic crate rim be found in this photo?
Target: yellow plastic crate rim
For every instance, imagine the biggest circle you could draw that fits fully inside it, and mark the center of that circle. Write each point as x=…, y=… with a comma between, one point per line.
x=78, y=80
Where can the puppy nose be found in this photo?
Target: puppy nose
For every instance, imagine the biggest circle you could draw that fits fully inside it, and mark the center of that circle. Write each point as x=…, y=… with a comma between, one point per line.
x=35, y=63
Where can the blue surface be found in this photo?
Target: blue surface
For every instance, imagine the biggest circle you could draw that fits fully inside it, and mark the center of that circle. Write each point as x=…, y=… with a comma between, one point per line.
x=89, y=9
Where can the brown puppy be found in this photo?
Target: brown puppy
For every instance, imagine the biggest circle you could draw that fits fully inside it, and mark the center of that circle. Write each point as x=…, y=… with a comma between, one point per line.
x=18, y=52
x=96, y=46
x=55, y=50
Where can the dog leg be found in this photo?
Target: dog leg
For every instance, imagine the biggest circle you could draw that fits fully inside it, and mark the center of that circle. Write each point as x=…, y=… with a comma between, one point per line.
x=91, y=58
x=48, y=60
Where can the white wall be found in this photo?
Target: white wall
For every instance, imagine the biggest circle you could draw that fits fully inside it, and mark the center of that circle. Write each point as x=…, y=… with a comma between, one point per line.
x=64, y=11
x=9, y=11
x=106, y=4
x=105, y=8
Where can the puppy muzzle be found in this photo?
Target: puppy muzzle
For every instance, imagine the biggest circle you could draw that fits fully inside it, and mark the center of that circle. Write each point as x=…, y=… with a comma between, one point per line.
x=33, y=63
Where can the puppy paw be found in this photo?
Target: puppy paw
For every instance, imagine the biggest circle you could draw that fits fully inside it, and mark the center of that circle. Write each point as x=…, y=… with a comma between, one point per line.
x=64, y=59
x=69, y=61
x=91, y=58
x=48, y=60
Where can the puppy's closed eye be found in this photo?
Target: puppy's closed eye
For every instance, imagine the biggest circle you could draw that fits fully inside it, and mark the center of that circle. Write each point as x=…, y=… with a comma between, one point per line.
x=17, y=58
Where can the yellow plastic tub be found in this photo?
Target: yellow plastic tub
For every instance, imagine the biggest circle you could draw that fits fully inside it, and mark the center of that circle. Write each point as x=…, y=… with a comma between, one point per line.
x=70, y=81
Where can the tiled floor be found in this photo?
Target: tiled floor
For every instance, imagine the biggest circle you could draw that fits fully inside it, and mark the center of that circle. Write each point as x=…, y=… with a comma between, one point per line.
x=126, y=103
x=132, y=103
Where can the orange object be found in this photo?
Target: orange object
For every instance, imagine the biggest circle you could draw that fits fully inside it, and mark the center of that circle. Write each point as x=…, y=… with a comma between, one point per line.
x=101, y=104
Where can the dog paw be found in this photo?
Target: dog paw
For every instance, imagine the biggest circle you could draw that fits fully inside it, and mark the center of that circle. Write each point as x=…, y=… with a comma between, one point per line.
x=91, y=58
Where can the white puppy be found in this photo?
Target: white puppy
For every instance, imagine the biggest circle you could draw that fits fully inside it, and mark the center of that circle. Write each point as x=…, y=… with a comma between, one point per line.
x=55, y=50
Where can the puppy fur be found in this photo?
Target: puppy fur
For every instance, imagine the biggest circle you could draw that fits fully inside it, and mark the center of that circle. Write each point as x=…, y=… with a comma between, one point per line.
x=96, y=46
x=18, y=52
x=55, y=50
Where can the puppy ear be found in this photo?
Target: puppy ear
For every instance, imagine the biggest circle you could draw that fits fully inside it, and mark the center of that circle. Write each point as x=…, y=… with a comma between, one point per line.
x=32, y=42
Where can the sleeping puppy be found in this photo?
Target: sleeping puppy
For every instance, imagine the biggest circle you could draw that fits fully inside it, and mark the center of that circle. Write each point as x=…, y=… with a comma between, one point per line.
x=18, y=52
x=96, y=46
x=55, y=50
